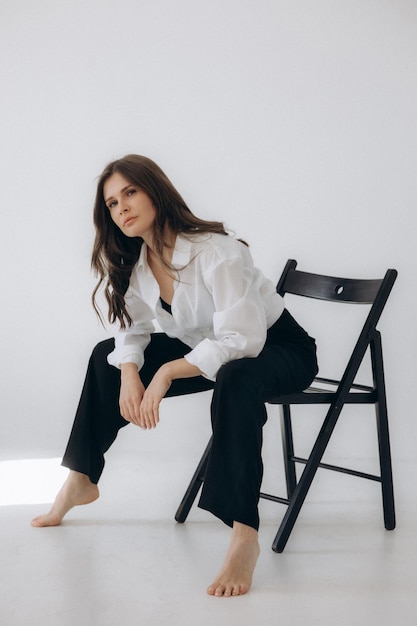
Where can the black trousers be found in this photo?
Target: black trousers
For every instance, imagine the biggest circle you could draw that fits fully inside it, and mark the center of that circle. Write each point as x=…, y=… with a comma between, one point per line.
x=233, y=479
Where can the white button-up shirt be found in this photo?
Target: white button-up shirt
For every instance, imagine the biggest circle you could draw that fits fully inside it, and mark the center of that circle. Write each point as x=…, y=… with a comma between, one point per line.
x=222, y=305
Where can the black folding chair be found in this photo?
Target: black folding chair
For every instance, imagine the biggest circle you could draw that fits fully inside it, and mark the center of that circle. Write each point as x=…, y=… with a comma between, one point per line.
x=326, y=391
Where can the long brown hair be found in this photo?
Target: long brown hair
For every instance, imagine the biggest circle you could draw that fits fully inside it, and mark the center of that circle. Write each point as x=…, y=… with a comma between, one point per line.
x=114, y=254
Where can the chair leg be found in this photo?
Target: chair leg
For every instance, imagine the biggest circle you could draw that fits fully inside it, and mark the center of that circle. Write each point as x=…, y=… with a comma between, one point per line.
x=303, y=485
x=383, y=434
x=194, y=486
x=288, y=449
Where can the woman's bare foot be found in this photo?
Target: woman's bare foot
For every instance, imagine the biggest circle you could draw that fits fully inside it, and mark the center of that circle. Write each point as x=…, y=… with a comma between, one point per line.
x=235, y=577
x=77, y=489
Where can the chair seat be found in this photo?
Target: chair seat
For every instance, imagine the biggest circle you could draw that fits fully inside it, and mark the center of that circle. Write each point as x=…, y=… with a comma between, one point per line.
x=320, y=393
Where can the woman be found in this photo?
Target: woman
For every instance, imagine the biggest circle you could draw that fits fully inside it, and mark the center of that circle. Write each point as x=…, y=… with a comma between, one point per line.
x=224, y=328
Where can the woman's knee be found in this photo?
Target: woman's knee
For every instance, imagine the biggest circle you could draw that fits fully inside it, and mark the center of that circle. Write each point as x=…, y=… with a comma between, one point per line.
x=238, y=373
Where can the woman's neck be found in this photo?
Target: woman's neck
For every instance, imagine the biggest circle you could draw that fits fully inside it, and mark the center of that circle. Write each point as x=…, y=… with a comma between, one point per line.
x=167, y=252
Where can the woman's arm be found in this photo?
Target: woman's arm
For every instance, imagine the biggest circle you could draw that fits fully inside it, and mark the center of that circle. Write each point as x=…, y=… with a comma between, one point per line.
x=158, y=387
x=131, y=342
x=244, y=302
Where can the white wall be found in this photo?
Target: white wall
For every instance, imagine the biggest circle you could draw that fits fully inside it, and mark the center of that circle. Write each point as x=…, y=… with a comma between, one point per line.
x=295, y=122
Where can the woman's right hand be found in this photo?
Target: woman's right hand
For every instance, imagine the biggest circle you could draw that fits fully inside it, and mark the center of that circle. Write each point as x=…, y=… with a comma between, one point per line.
x=131, y=394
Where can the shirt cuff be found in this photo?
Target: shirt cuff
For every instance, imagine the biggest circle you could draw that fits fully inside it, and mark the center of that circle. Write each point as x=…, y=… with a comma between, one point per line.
x=117, y=360
x=207, y=358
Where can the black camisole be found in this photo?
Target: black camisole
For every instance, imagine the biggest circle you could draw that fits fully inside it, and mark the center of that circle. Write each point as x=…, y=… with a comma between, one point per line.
x=166, y=306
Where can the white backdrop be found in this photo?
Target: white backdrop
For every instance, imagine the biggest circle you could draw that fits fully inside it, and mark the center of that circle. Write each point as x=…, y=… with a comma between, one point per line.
x=294, y=122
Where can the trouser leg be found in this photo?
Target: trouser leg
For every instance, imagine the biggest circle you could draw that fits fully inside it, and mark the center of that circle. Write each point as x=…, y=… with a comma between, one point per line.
x=234, y=472
x=98, y=418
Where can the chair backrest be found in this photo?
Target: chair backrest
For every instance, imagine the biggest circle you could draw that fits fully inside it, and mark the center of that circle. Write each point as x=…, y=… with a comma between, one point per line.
x=347, y=290
x=352, y=290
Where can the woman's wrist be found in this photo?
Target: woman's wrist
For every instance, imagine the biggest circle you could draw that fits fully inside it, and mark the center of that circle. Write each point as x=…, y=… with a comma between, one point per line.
x=179, y=368
x=129, y=369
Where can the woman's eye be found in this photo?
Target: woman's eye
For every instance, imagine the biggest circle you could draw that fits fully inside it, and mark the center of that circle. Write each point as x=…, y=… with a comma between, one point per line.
x=130, y=192
x=111, y=205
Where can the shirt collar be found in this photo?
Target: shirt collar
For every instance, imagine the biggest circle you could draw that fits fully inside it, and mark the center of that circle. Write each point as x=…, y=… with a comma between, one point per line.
x=180, y=256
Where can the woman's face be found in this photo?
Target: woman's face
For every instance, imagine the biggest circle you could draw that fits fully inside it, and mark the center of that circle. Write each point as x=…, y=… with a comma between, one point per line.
x=130, y=207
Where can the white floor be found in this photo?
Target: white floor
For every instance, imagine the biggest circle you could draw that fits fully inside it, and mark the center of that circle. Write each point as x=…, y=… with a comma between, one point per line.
x=124, y=560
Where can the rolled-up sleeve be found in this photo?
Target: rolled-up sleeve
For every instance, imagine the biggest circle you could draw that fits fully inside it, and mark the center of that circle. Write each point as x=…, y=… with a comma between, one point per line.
x=239, y=321
x=130, y=343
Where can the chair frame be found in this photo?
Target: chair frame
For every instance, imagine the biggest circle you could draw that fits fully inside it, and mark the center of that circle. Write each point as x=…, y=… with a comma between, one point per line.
x=326, y=391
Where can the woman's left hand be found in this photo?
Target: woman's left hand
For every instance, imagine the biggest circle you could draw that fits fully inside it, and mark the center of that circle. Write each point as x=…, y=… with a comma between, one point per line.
x=156, y=390
x=159, y=385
